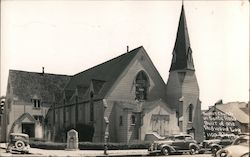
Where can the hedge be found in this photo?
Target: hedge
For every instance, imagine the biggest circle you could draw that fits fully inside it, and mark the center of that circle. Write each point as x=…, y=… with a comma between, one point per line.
x=89, y=145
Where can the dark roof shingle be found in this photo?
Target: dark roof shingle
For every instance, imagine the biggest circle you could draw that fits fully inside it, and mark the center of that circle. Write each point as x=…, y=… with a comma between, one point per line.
x=103, y=75
x=26, y=85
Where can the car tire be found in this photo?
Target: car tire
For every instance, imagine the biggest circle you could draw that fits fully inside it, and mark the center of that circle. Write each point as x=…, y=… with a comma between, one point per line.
x=214, y=149
x=165, y=151
x=193, y=150
x=19, y=144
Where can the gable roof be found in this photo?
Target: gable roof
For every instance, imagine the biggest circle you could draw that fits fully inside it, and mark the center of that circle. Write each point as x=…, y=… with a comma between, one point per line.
x=21, y=118
x=102, y=76
x=27, y=85
x=234, y=108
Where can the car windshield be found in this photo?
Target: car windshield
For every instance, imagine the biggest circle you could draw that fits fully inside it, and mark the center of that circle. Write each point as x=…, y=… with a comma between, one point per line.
x=170, y=138
x=179, y=137
x=188, y=138
x=217, y=137
x=18, y=137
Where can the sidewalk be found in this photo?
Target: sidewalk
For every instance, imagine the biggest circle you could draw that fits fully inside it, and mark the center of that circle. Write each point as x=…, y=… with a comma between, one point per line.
x=133, y=152
x=78, y=153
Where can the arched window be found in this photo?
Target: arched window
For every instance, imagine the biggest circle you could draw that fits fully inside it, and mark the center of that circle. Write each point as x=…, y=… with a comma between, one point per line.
x=132, y=119
x=141, y=86
x=76, y=109
x=120, y=121
x=190, y=113
x=91, y=106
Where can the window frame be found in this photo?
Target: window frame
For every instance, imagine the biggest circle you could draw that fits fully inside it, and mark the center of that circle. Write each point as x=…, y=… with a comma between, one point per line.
x=120, y=121
x=141, y=86
x=91, y=107
x=132, y=119
x=36, y=103
x=190, y=112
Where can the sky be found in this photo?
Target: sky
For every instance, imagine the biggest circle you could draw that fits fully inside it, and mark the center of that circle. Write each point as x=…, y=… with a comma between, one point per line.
x=67, y=37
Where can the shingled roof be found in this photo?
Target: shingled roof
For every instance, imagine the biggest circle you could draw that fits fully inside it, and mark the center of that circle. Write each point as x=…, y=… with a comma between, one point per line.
x=235, y=108
x=103, y=75
x=25, y=85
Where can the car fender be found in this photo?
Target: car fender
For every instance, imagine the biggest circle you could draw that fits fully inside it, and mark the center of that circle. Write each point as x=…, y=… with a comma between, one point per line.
x=215, y=145
x=195, y=145
x=171, y=148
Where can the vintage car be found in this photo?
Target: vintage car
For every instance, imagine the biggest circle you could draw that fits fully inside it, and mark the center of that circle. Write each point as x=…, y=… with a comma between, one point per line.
x=218, y=142
x=18, y=143
x=239, y=148
x=174, y=144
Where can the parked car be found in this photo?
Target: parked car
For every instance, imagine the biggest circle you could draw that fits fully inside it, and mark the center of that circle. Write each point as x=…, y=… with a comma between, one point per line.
x=18, y=143
x=174, y=144
x=239, y=148
x=218, y=142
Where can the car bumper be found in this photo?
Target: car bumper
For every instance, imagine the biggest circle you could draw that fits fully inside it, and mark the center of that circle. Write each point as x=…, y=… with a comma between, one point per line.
x=14, y=150
x=153, y=151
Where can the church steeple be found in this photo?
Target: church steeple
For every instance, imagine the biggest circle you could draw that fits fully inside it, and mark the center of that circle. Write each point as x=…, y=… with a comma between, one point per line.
x=182, y=53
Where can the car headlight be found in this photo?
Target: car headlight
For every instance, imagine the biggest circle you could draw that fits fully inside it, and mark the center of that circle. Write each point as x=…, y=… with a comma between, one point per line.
x=222, y=153
x=151, y=147
x=155, y=146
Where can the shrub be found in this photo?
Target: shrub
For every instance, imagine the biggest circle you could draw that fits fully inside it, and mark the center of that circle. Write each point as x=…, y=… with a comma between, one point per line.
x=90, y=145
x=47, y=145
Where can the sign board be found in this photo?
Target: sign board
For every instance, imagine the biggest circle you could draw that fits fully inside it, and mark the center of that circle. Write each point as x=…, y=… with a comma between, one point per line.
x=72, y=140
x=217, y=122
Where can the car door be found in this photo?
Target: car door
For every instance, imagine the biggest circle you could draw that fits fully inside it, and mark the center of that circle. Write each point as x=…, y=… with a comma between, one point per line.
x=188, y=140
x=225, y=140
x=178, y=144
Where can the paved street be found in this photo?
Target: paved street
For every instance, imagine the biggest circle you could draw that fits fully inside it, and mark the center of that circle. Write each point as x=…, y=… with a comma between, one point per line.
x=82, y=153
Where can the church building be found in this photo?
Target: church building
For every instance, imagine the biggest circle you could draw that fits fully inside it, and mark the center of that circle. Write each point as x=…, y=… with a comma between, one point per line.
x=124, y=98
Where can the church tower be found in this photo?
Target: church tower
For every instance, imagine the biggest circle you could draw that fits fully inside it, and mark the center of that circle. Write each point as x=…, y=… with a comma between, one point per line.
x=182, y=87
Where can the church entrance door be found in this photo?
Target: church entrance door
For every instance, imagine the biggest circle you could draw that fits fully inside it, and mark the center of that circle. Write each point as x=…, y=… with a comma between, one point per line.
x=160, y=124
x=28, y=128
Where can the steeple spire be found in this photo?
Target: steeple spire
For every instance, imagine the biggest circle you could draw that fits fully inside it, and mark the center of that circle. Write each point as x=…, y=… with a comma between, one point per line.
x=182, y=53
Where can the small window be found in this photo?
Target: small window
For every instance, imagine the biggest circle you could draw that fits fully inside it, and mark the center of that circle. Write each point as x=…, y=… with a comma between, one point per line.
x=190, y=113
x=56, y=116
x=91, y=106
x=225, y=138
x=120, y=121
x=36, y=103
x=39, y=118
x=67, y=115
x=64, y=115
x=133, y=120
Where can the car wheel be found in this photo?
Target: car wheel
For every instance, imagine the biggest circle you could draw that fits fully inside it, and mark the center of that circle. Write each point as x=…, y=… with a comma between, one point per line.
x=214, y=150
x=193, y=150
x=165, y=151
x=19, y=145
